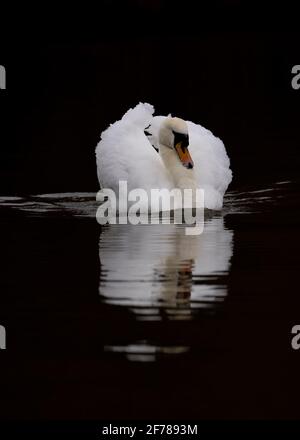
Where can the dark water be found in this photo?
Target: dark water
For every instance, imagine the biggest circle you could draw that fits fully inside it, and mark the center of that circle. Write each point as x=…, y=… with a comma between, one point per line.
x=144, y=321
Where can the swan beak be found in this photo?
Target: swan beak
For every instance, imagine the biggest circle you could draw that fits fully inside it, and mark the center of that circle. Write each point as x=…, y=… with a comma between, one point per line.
x=184, y=155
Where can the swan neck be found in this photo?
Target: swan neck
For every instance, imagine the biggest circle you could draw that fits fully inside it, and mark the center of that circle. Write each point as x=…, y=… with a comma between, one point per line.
x=182, y=177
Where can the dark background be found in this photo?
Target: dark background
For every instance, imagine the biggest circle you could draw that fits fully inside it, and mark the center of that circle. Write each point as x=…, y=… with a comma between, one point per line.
x=71, y=72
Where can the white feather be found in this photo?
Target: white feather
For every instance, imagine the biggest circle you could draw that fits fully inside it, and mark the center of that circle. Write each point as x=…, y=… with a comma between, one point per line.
x=125, y=153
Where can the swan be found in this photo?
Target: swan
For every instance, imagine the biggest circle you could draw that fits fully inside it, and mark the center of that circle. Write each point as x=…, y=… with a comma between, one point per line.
x=185, y=155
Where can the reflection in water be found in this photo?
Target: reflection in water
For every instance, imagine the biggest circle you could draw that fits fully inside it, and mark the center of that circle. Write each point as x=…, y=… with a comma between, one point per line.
x=162, y=276
x=142, y=351
x=159, y=273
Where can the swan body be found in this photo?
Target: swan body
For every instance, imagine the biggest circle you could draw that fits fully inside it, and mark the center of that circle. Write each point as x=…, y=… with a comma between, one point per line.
x=189, y=156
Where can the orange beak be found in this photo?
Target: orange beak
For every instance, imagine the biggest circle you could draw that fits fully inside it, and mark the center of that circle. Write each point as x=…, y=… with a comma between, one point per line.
x=184, y=155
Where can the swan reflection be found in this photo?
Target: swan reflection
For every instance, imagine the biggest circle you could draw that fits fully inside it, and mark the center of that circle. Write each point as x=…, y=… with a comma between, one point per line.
x=159, y=272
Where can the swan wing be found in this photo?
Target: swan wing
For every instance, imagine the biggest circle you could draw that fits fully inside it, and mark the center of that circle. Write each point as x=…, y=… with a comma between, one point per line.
x=125, y=153
x=211, y=164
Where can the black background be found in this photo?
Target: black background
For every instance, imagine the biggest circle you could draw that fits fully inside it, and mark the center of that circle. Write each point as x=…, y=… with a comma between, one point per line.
x=71, y=72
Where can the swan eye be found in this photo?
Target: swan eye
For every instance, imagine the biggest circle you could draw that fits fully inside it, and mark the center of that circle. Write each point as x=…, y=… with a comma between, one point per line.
x=181, y=138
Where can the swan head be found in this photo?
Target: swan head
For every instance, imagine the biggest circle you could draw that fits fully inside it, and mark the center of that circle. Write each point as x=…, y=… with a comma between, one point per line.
x=174, y=134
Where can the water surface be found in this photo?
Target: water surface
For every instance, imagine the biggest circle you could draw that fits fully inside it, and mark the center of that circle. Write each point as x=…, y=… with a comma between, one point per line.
x=210, y=313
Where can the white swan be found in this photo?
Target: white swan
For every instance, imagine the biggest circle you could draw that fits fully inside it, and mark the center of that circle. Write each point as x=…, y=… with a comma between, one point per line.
x=190, y=156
